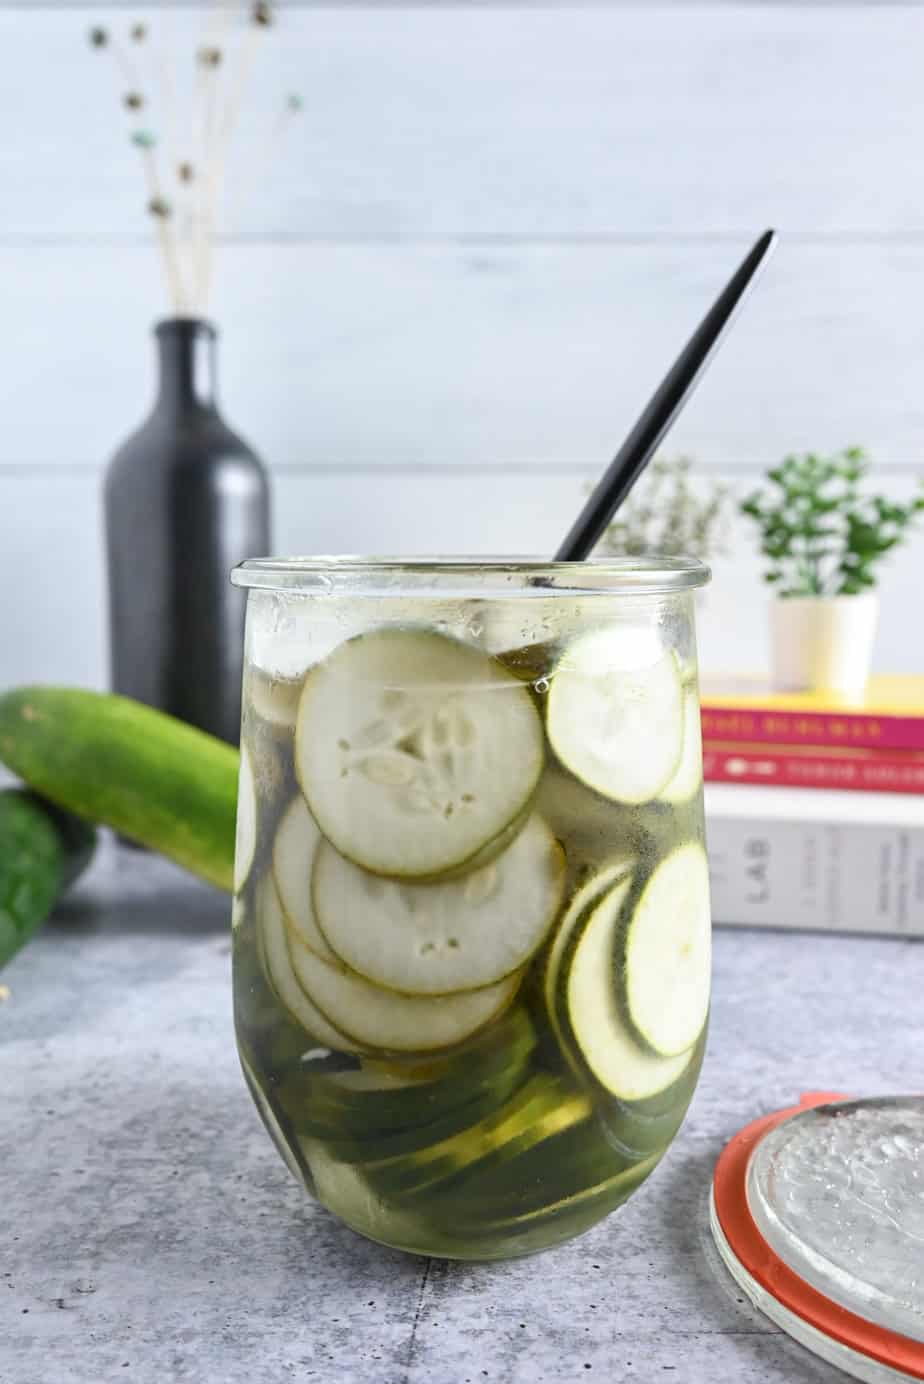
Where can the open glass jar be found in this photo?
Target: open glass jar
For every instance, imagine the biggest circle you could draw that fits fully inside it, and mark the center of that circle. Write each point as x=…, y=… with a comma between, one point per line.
x=472, y=932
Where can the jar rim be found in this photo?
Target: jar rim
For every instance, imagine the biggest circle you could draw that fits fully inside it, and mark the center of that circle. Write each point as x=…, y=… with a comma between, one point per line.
x=358, y=575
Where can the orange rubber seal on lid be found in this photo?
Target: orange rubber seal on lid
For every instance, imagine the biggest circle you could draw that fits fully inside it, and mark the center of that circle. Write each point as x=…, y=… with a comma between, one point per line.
x=774, y=1274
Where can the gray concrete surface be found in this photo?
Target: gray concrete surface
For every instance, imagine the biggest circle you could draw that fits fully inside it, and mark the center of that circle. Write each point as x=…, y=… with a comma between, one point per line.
x=151, y=1234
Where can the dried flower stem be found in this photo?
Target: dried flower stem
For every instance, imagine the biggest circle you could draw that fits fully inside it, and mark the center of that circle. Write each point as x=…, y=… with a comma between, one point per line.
x=238, y=80
x=269, y=153
x=205, y=119
x=167, y=242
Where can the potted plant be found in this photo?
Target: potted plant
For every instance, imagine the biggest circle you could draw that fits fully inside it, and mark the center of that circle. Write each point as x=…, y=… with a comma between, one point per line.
x=666, y=514
x=823, y=540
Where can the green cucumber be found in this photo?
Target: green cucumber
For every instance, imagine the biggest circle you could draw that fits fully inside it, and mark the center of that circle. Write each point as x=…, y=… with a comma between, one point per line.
x=42, y=850
x=112, y=760
x=415, y=752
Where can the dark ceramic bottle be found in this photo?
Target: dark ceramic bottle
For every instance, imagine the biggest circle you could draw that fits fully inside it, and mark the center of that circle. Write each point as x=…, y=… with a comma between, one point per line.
x=185, y=501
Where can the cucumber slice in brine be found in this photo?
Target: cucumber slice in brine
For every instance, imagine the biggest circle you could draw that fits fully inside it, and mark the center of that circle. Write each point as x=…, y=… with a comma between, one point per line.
x=294, y=852
x=388, y=1022
x=276, y=958
x=615, y=722
x=433, y=939
x=587, y=1007
x=688, y=777
x=245, y=840
x=274, y=699
x=668, y=953
x=415, y=751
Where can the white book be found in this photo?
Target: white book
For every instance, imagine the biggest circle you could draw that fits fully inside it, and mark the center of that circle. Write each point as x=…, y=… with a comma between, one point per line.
x=816, y=858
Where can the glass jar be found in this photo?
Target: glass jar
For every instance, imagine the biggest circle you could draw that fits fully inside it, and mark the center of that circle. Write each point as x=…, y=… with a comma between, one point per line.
x=472, y=931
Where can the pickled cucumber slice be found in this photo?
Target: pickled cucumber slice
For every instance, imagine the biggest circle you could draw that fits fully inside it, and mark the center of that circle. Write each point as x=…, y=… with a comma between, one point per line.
x=617, y=724
x=434, y=939
x=415, y=751
x=589, y=1014
x=471, y=1106
x=668, y=953
x=274, y=699
x=294, y=852
x=389, y=1022
x=276, y=956
x=544, y=1106
x=245, y=838
x=371, y=1101
x=617, y=877
x=688, y=777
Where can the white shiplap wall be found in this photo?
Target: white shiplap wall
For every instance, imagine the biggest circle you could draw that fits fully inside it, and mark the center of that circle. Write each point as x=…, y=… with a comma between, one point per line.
x=445, y=299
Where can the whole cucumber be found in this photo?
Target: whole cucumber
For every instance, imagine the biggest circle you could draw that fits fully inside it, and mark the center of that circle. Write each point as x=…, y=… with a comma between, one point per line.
x=42, y=850
x=112, y=760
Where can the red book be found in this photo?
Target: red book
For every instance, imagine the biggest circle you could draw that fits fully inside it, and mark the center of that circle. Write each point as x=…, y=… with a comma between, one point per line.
x=890, y=716
x=867, y=771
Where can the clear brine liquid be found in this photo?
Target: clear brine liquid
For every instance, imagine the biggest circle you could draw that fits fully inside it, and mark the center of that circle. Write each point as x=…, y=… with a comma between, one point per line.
x=485, y=1057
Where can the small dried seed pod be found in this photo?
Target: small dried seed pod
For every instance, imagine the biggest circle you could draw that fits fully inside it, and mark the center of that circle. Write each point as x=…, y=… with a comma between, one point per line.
x=209, y=57
x=133, y=100
x=185, y=172
x=160, y=207
x=262, y=13
x=99, y=37
x=139, y=33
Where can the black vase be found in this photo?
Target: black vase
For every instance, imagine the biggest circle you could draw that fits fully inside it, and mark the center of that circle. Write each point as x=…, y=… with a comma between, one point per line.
x=185, y=500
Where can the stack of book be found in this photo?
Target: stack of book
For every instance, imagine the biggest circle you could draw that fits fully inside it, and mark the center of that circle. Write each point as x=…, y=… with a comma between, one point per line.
x=815, y=808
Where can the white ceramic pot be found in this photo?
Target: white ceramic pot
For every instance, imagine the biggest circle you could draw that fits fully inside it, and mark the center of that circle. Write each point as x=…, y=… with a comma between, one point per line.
x=823, y=643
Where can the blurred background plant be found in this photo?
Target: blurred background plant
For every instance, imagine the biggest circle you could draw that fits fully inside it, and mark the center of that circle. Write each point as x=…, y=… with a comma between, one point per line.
x=821, y=535
x=669, y=513
x=190, y=110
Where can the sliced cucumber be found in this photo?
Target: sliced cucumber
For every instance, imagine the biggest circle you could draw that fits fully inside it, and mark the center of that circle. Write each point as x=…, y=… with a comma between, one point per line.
x=362, y=1145
x=238, y=912
x=415, y=751
x=245, y=835
x=283, y=1138
x=388, y=1022
x=668, y=953
x=277, y=958
x=615, y=723
x=435, y=939
x=688, y=777
x=294, y=852
x=274, y=699
x=369, y=1102
x=544, y=1106
x=586, y=1200
x=587, y=1009
x=616, y=877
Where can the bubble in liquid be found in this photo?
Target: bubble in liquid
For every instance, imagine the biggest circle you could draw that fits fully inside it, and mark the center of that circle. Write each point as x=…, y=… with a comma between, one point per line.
x=541, y=685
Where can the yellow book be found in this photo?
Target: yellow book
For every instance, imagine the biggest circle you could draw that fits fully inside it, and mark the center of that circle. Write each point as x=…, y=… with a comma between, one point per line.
x=890, y=714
